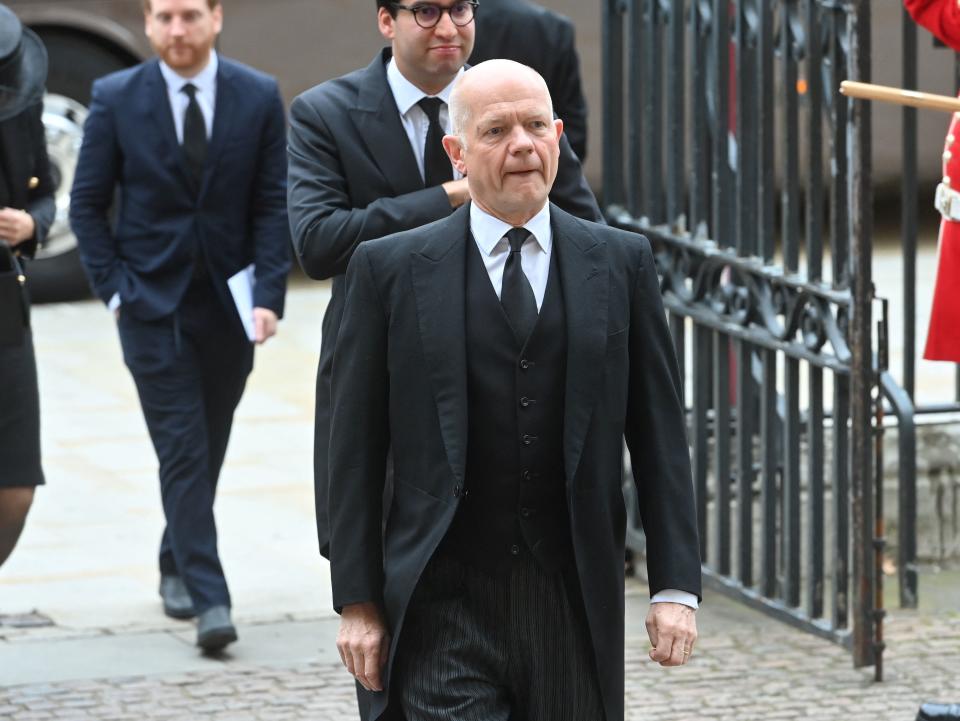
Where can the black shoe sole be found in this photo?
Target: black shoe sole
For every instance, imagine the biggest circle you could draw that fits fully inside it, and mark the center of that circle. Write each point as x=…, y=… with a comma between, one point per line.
x=217, y=638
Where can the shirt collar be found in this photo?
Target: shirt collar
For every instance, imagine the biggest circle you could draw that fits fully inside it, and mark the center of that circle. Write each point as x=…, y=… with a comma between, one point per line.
x=204, y=81
x=406, y=94
x=488, y=231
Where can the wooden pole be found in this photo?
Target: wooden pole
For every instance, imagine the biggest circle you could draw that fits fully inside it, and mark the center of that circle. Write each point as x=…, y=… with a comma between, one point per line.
x=899, y=96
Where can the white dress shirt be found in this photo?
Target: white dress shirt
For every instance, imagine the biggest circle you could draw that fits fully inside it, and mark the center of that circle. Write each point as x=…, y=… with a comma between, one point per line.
x=206, y=84
x=489, y=233
x=415, y=121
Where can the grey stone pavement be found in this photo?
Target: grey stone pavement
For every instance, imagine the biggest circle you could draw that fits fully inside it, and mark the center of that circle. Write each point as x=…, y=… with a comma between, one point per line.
x=87, y=562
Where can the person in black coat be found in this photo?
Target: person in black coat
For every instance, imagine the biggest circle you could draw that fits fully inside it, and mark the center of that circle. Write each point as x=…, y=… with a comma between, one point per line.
x=27, y=210
x=535, y=36
x=500, y=355
x=364, y=163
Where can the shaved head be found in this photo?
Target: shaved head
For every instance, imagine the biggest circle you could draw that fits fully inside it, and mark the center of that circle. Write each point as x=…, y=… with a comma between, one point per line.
x=480, y=81
x=505, y=139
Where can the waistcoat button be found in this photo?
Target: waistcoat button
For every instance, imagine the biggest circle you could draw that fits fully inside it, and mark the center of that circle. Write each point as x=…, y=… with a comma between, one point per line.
x=514, y=550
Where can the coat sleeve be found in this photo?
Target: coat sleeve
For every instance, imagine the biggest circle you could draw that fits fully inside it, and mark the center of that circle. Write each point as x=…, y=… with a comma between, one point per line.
x=325, y=225
x=567, y=89
x=570, y=190
x=41, y=204
x=271, y=231
x=359, y=440
x=92, y=196
x=940, y=17
x=656, y=436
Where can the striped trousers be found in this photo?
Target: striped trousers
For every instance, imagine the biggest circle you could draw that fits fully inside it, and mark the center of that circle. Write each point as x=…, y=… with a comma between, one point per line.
x=511, y=647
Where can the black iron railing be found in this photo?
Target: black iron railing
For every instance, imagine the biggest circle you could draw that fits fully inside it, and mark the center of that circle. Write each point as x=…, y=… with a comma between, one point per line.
x=726, y=143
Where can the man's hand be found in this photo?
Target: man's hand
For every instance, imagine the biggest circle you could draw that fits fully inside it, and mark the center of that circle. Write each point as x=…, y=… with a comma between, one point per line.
x=264, y=324
x=672, y=628
x=458, y=192
x=364, y=643
x=16, y=226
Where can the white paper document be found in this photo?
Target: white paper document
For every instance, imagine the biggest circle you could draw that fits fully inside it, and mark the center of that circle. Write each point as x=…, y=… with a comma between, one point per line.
x=241, y=288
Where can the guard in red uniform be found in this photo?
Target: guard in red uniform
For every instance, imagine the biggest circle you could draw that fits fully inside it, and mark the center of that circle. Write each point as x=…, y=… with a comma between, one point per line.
x=942, y=18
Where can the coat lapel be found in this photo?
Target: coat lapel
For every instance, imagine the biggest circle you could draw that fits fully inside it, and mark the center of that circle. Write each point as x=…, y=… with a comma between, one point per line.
x=437, y=272
x=13, y=175
x=378, y=123
x=157, y=108
x=224, y=112
x=584, y=273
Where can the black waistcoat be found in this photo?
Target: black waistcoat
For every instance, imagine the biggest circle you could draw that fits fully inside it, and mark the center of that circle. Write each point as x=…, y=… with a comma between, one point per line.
x=515, y=500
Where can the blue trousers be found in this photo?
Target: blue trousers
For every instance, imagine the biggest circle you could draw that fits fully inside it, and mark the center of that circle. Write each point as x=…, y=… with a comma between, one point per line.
x=190, y=370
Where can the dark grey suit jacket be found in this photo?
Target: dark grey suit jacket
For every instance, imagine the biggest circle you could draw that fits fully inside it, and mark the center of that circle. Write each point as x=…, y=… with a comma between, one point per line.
x=544, y=40
x=353, y=177
x=400, y=383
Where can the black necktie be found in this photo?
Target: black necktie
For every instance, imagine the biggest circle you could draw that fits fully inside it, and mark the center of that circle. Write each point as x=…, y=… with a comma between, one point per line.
x=516, y=295
x=194, y=134
x=436, y=164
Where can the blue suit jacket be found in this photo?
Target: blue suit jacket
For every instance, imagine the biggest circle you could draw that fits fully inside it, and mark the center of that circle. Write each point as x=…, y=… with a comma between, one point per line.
x=237, y=217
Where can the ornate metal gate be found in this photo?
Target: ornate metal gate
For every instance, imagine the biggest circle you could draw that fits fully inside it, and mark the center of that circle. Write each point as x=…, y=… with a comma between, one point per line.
x=727, y=144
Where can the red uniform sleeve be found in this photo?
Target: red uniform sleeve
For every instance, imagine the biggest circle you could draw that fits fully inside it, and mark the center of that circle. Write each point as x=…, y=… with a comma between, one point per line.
x=940, y=17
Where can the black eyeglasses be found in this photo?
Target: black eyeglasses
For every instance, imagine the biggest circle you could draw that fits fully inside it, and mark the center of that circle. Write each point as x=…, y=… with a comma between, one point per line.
x=427, y=15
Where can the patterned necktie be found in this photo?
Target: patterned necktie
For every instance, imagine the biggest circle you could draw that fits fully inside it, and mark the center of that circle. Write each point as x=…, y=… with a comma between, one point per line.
x=516, y=295
x=194, y=134
x=436, y=165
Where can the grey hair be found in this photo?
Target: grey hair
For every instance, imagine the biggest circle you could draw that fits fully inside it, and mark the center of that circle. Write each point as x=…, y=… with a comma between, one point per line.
x=459, y=115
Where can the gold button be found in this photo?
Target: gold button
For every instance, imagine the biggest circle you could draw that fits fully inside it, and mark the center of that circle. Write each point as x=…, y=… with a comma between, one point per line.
x=951, y=139
x=33, y=183
x=947, y=155
x=946, y=180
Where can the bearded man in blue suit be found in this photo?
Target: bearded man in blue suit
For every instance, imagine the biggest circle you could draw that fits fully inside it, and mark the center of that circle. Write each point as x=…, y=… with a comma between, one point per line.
x=195, y=144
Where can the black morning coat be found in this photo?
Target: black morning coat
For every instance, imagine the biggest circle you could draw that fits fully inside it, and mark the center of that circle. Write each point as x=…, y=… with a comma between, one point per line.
x=400, y=383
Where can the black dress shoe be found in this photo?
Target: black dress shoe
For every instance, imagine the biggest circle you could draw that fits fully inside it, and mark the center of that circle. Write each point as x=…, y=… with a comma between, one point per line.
x=176, y=599
x=939, y=712
x=215, y=629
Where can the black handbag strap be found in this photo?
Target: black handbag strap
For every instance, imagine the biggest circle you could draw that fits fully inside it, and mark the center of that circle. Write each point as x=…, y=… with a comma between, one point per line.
x=10, y=265
x=10, y=262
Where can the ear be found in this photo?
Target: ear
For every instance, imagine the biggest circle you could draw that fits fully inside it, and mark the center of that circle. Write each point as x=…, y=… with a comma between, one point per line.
x=558, y=124
x=385, y=23
x=456, y=153
x=217, y=13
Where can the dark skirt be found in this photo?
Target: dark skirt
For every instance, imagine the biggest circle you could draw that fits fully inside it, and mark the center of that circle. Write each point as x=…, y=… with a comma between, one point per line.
x=19, y=417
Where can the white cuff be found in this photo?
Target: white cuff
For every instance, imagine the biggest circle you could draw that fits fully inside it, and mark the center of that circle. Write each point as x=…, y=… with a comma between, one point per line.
x=672, y=595
x=114, y=302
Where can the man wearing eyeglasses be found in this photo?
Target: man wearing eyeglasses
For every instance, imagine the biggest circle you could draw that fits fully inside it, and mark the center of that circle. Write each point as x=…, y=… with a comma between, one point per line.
x=366, y=160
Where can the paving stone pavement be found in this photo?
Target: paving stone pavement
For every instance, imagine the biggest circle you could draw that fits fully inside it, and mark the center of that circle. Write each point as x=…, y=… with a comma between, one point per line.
x=746, y=667
x=87, y=561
